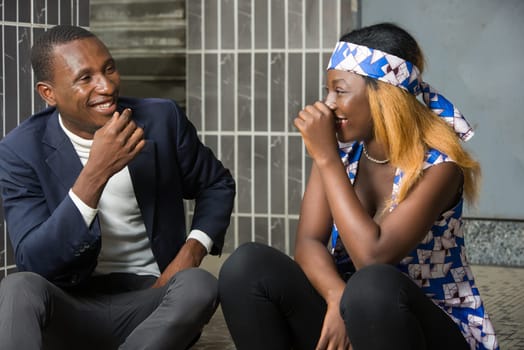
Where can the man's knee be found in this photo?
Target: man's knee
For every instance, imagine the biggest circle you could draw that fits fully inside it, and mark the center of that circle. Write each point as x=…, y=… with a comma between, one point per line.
x=24, y=292
x=23, y=283
x=196, y=287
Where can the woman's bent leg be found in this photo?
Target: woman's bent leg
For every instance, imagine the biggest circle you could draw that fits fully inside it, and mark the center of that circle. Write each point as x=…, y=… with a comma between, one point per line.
x=385, y=309
x=267, y=301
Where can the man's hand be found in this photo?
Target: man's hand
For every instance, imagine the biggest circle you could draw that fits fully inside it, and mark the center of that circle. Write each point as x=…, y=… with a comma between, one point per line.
x=114, y=146
x=190, y=255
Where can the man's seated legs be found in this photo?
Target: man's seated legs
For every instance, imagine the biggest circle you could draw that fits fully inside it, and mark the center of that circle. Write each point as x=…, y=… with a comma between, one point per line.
x=39, y=315
x=189, y=302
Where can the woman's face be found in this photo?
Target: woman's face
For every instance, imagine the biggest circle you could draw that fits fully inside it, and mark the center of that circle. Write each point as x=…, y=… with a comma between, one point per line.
x=347, y=97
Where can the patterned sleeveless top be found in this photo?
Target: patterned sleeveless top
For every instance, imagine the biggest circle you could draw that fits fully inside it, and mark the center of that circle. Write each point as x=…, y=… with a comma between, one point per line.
x=438, y=264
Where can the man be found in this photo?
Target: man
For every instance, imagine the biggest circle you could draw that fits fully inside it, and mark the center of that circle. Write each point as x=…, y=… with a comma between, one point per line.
x=93, y=190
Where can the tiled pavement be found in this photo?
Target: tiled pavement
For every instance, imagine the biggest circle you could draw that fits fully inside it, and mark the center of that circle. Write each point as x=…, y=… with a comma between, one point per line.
x=502, y=289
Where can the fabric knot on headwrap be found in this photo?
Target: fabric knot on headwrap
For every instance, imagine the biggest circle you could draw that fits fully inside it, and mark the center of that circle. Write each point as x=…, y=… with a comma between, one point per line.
x=396, y=71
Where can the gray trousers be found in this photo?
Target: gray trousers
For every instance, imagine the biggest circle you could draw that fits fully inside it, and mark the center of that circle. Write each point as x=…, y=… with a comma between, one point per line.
x=117, y=311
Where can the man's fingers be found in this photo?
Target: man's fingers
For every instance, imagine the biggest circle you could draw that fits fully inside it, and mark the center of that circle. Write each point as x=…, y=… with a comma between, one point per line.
x=125, y=115
x=138, y=147
x=129, y=130
x=136, y=140
x=119, y=121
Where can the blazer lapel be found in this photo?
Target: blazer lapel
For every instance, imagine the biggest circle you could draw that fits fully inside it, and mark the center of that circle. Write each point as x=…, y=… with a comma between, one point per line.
x=62, y=158
x=143, y=175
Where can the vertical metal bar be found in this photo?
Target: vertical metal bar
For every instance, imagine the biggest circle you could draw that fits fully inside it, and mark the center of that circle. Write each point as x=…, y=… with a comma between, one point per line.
x=269, y=51
x=235, y=112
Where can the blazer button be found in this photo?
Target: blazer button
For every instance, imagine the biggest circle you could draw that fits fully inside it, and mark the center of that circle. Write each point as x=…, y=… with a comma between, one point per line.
x=74, y=278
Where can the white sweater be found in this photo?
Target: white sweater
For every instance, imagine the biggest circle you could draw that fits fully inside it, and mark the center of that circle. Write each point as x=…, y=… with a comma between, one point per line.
x=125, y=245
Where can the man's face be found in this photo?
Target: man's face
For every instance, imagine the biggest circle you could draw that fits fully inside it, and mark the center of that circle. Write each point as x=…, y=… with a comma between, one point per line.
x=85, y=85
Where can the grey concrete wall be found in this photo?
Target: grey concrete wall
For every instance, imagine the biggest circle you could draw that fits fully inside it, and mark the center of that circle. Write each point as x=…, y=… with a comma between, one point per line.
x=495, y=242
x=148, y=41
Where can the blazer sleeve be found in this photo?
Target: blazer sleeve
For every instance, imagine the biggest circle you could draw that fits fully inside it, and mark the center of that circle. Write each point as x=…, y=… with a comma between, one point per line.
x=205, y=180
x=48, y=238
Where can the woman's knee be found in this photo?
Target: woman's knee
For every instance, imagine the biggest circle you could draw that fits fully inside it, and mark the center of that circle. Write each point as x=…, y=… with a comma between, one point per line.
x=372, y=288
x=242, y=263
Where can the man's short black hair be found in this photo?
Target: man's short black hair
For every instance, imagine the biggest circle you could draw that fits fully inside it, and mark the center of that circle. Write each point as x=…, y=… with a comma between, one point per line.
x=42, y=51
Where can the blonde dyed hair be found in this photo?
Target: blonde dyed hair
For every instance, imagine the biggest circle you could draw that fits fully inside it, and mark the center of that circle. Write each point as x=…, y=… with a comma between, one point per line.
x=407, y=129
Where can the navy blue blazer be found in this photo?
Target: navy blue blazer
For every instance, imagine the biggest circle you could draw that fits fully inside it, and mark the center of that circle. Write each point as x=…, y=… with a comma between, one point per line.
x=38, y=166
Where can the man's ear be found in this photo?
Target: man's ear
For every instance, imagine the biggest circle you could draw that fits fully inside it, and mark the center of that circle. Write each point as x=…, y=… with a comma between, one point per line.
x=46, y=92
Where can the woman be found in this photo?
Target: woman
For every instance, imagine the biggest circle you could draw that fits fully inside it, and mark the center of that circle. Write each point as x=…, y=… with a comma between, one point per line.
x=396, y=275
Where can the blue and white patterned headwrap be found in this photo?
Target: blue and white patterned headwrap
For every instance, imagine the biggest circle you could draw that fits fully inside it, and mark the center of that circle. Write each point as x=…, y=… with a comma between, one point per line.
x=396, y=71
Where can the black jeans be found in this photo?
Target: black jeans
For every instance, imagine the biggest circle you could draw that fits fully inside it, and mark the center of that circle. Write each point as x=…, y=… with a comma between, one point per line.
x=268, y=303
